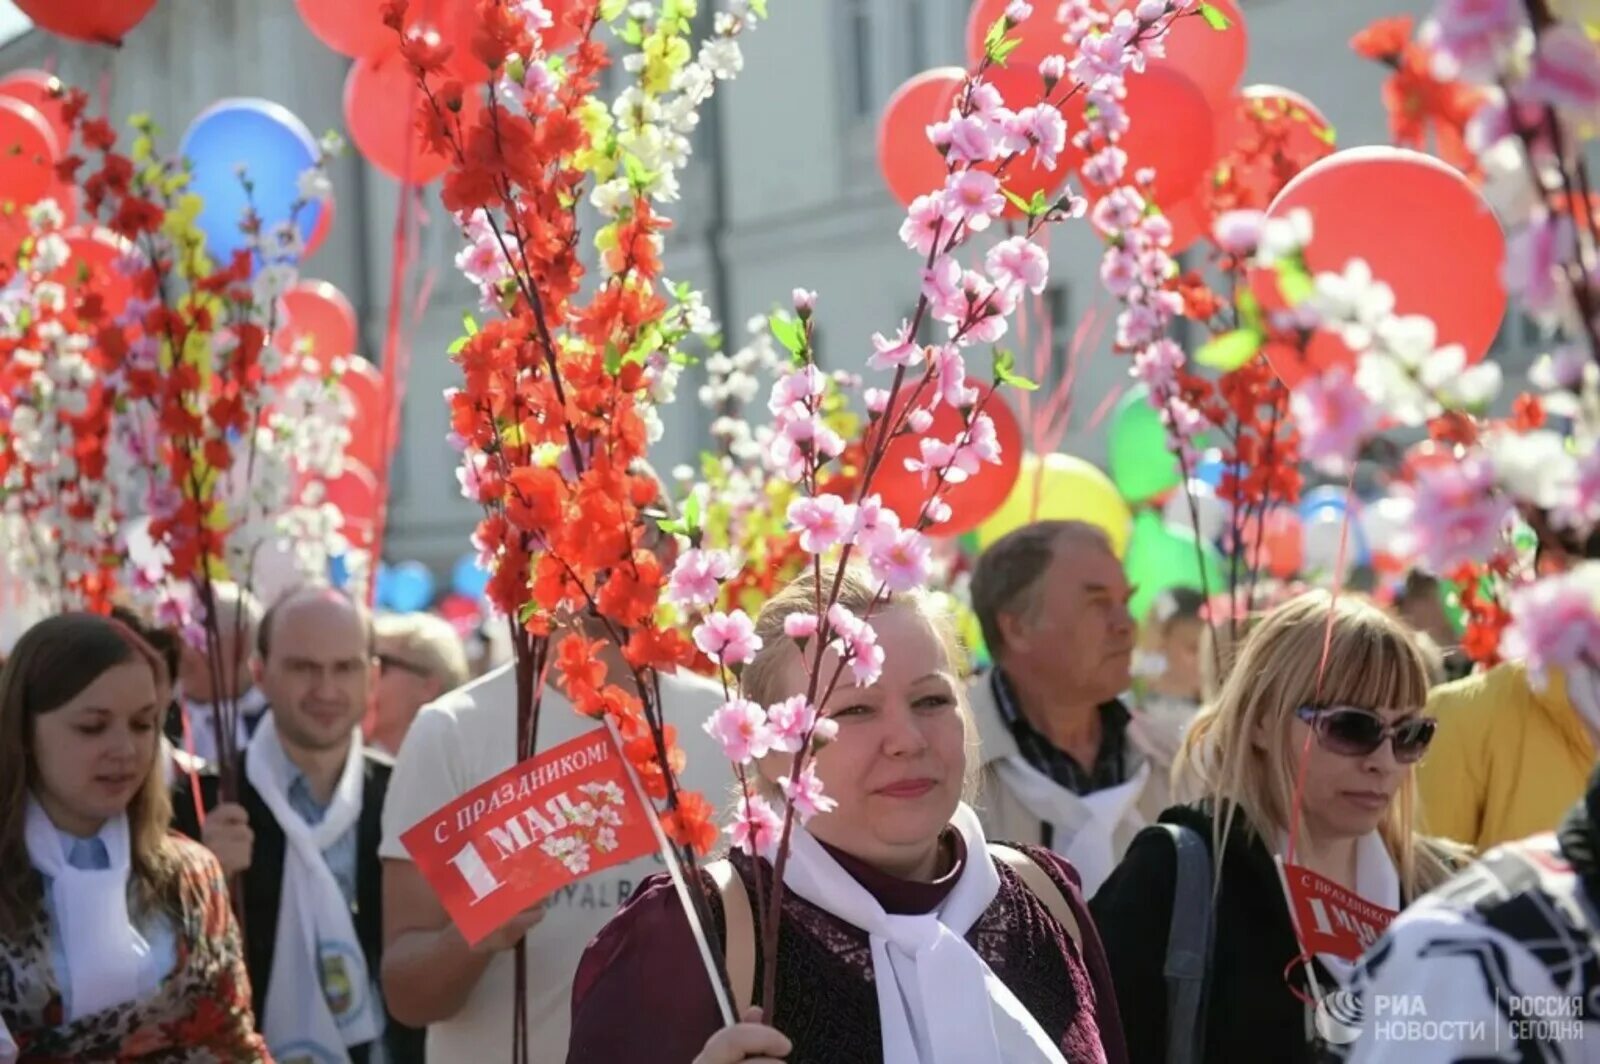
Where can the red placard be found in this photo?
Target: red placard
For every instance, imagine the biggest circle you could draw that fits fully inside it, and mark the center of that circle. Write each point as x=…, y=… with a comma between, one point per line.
x=550, y=821
x=1332, y=920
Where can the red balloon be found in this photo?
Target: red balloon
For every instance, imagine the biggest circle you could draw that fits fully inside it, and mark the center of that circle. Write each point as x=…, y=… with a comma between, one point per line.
x=381, y=97
x=28, y=153
x=1041, y=34
x=355, y=494
x=319, y=234
x=91, y=267
x=971, y=501
x=910, y=164
x=1172, y=130
x=362, y=383
x=1213, y=59
x=95, y=21
x=350, y=27
x=36, y=88
x=1282, y=543
x=463, y=613
x=1421, y=226
x=318, y=312
x=1190, y=222
x=1022, y=86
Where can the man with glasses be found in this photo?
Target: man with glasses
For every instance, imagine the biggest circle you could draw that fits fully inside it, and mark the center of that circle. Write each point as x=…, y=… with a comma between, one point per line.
x=420, y=657
x=302, y=839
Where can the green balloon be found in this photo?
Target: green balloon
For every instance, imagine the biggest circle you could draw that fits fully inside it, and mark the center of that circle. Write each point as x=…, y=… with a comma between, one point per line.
x=1142, y=465
x=1161, y=557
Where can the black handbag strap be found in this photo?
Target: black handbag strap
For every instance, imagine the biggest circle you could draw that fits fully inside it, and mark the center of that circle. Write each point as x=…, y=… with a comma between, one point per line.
x=1189, y=938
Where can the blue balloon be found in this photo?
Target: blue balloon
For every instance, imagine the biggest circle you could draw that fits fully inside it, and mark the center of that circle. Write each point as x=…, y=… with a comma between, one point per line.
x=467, y=579
x=1210, y=470
x=1327, y=497
x=272, y=145
x=338, y=571
x=409, y=587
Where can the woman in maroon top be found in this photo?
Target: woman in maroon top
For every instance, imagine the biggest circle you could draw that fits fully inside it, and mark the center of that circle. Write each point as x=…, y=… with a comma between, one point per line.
x=905, y=937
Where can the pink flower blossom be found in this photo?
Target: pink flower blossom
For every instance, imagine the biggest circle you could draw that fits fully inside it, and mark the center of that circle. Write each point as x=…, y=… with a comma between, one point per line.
x=805, y=302
x=1119, y=272
x=875, y=524
x=793, y=720
x=919, y=420
x=1157, y=364
x=1106, y=166
x=697, y=578
x=741, y=727
x=801, y=625
x=1581, y=507
x=973, y=199
x=1459, y=514
x=756, y=827
x=727, y=638
x=1018, y=263
x=1042, y=126
x=1566, y=70
x=1468, y=36
x=1533, y=258
x=900, y=350
x=481, y=259
x=1018, y=11
x=861, y=644
x=822, y=521
x=966, y=138
x=1238, y=232
x=1052, y=68
x=904, y=564
x=805, y=794
x=1334, y=418
x=1556, y=621
x=925, y=222
x=877, y=400
x=951, y=378
x=801, y=387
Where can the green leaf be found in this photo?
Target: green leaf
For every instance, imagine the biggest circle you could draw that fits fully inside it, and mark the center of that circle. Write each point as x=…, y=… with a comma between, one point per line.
x=1294, y=281
x=469, y=323
x=673, y=528
x=456, y=346
x=610, y=9
x=632, y=33
x=1250, y=310
x=1015, y=200
x=526, y=611
x=1005, y=371
x=1001, y=52
x=759, y=7
x=1214, y=18
x=1327, y=134
x=613, y=360
x=1230, y=350
x=691, y=512
x=786, y=330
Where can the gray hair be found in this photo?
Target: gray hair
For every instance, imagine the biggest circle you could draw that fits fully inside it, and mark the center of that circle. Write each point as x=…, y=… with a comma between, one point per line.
x=427, y=640
x=1007, y=578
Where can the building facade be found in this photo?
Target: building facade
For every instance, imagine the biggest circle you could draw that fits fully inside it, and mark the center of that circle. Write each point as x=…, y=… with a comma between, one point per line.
x=783, y=192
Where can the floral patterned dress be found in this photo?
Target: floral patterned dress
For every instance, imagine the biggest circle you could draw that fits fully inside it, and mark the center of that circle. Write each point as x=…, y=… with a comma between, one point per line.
x=200, y=1015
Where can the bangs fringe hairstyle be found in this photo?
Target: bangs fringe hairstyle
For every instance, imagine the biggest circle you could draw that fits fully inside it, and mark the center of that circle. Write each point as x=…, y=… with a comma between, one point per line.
x=54, y=662
x=1372, y=663
x=761, y=681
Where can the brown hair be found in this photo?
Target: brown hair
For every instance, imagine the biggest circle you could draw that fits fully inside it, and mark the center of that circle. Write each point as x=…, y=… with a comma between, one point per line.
x=53, y=663
x=1372, y=662
x=1007, y=578
x=761, y=681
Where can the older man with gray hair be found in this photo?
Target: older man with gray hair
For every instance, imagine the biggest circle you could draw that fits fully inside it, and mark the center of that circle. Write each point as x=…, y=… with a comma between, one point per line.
x=1059, y=767
x=420, y=657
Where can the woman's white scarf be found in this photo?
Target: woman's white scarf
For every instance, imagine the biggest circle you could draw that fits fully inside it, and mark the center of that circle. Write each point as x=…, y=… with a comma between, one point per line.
x=319, y=993
x=938, y=1002
x=104, y=951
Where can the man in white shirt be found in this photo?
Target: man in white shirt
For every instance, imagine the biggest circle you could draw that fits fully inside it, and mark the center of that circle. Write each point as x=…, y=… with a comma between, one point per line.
x=430, y=975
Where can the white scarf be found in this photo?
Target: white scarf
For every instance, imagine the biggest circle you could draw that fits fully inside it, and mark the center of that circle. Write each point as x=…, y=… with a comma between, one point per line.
x=1083, y=826
x=104, y=951
x=203, y=723
x=319, y=993
x=938, y=1002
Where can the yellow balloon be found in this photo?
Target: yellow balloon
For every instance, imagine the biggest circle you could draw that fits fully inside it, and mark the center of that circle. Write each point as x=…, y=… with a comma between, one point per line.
x=1061, y=488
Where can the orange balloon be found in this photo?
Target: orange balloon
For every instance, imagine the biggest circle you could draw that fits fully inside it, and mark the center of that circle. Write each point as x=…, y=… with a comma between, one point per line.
x=381, y=99
x=1421, y=227
x=910, y=164
x=1213, y=59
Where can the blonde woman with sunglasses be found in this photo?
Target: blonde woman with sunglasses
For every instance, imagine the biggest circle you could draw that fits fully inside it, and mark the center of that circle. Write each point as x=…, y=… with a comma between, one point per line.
x=1327, y=691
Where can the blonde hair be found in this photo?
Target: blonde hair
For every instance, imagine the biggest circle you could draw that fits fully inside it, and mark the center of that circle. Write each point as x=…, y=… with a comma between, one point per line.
x=429, y=641
x=1372, y=662
x=762, y=680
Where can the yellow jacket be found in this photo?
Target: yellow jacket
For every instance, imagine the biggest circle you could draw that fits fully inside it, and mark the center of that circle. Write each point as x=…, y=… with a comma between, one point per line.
x=1507, y=761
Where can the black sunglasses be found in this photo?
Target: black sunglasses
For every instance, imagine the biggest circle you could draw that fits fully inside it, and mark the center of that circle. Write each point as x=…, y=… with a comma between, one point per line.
x=1352, y=732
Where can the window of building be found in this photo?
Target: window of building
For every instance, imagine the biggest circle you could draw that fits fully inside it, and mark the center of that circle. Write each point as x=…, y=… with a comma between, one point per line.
x=858, y=28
